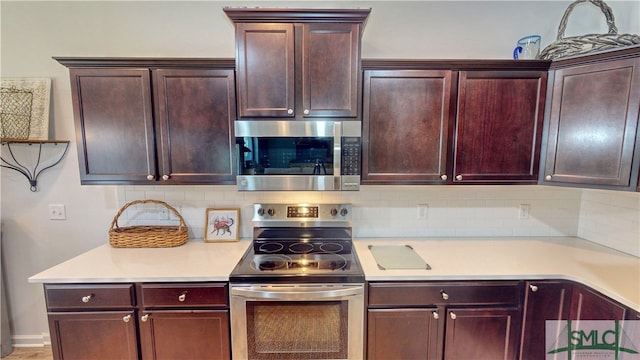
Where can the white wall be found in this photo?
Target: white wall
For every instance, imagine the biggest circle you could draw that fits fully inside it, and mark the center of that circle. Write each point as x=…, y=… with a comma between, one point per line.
x=32, y=32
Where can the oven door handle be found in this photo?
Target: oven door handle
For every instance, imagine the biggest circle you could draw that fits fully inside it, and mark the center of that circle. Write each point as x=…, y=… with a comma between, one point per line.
x=295, y=292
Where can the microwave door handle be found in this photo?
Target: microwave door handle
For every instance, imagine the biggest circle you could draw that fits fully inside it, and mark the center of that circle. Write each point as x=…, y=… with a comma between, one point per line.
x=337, y=145
x=294, y=293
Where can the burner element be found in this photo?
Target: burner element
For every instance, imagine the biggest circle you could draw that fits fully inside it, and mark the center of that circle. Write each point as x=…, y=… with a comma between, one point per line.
x=270, y=247
x=271, y=262
x=301, y=248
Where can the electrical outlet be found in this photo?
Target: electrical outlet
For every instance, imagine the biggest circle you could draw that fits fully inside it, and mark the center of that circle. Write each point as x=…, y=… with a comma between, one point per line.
x=423, y=210
x=57, y=212
x=525, y=211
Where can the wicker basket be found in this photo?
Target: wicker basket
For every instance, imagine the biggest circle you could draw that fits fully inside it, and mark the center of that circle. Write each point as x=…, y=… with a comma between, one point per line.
x=578, y=45
x=148, y=236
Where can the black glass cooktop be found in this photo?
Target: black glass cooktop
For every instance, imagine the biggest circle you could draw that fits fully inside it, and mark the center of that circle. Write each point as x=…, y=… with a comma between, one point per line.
x=304, y=255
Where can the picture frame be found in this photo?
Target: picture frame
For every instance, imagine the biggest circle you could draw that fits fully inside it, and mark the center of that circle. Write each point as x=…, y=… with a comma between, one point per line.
x=222, y=225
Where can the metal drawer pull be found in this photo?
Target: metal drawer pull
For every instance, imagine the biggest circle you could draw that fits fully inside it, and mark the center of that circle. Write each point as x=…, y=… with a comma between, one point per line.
x=290, y=111
x=443, y=177
x=86, y=299
x=452, y=315
x=126, y=318
x=144, y=317
x=436, y=315
x=445, y=296
x=150, y=177
x=533, y=288
x=306, y=111
x=182, y=297
x=459, y=177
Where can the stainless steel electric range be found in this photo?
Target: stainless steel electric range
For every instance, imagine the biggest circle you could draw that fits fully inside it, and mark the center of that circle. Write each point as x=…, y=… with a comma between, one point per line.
x=298, y=291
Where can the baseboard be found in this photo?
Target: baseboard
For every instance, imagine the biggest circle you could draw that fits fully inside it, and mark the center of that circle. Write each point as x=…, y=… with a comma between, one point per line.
x=31, y=340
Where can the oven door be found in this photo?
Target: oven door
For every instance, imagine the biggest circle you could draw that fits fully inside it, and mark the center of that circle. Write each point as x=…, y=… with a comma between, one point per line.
x=297, y=321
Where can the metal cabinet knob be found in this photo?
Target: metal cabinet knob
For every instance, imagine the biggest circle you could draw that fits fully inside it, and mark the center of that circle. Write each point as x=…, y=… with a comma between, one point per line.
x=165, y=177
x=182, y=297
x=452, y=315
x=150, y=177
x=126, y=318
x=443, y=177
x=144, y=317
x=445, y=296
x=86, y=299
x=306, y=111
x=436, y=315
x=548, y=177
x=459, y=177
x=533, y=288
x=290, y=111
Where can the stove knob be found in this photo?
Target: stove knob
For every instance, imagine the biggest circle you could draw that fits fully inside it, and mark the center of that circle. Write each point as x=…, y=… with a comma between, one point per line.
x=261, y=211
x=344, y=212
x=334, y=212
x=271, y=211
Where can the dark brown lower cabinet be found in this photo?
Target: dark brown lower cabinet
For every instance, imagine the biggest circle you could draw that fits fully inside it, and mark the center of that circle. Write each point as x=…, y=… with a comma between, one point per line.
x=409, y=334
x=444, y=320
x=544, y=300
x=184, y=334
x=94, y=335
x=139, y=321
x=587, y=304
x=482, y=333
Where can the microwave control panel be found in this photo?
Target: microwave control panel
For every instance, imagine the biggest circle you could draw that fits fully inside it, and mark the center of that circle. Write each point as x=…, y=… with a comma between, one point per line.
x=350, y=156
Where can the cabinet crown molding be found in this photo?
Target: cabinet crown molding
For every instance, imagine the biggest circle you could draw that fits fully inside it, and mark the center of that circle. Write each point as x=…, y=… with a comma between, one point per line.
x=297, y=15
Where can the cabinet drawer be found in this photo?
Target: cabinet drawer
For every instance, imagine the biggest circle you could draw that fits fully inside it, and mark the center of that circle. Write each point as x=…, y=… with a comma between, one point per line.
x=184, y=295
x=88, y=296
x=451, y=293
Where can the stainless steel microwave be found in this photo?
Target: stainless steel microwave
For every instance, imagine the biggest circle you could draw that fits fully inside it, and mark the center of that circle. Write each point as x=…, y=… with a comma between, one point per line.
x=298, y=155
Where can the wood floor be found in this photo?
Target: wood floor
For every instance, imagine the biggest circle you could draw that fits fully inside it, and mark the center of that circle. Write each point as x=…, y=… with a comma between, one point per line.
x=32, y=353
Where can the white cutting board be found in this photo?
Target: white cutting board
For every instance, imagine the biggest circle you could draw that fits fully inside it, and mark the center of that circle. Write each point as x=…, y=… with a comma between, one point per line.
x=395, y=257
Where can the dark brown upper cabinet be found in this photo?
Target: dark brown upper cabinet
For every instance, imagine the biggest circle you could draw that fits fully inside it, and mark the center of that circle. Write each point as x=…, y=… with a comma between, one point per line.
x=406, y=126
x=593, y=138
x=298, y=64
x=457, y=122
x=153, y=121
x=499, y=126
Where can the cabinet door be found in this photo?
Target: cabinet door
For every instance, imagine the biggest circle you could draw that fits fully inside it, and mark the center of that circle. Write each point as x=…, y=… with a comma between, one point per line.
x=330, y=59
x=114, y=125
x=94, y=335
x=184, y=334
x=265, y=63
x=195, y=110
x=409, y=334
x=499, y=126
x=593, y=123
x=543, y=301
x=589, y=305
x=406, y=126
x=482, y=333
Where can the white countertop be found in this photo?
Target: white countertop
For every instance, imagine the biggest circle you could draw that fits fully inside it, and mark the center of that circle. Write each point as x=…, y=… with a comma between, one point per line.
x=608, y=271
x=613, y=273
x=193, y=261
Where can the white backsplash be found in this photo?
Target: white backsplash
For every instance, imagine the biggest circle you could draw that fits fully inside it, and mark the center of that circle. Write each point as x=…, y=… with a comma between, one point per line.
x=391, y=211
x=611, y=218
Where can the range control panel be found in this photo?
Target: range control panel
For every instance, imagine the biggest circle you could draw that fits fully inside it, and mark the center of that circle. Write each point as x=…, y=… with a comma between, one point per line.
x=300, y=213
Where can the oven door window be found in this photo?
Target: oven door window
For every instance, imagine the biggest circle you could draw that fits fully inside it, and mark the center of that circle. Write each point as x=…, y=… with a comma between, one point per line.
x=285, y=155
x=297, y=330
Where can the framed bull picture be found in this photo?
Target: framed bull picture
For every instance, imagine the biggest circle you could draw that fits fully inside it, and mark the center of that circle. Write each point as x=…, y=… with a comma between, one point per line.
x=222, y=225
